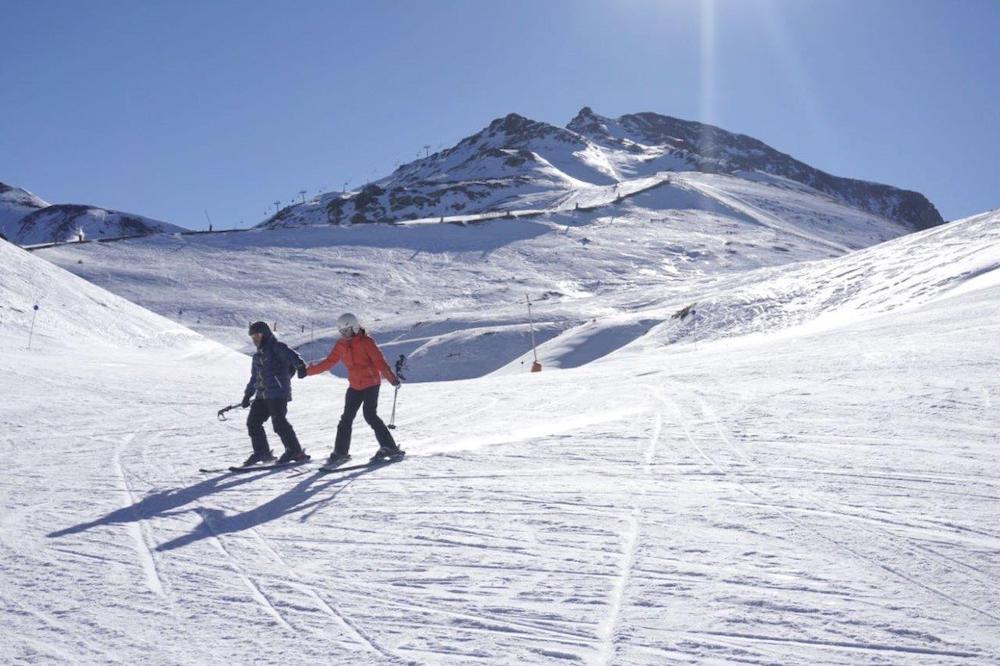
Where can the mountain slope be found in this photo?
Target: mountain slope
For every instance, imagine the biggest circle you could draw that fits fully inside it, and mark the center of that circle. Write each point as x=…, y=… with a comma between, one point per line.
x=73, y=312
x=519, y=164
x=902, y=273
x=26, y=220
x=468, y=283
x=645, y=143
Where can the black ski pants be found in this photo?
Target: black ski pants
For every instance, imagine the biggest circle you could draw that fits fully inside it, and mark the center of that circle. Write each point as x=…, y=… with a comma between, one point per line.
x=277, y=410
x=352, y=401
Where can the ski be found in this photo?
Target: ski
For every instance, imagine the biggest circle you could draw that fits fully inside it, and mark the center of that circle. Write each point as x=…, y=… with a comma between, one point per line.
x=378, y=462
x=252, y=468
x=257, y=468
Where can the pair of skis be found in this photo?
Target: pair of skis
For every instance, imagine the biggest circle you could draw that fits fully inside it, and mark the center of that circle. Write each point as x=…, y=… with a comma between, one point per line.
x=374, y=462
x=254, y=468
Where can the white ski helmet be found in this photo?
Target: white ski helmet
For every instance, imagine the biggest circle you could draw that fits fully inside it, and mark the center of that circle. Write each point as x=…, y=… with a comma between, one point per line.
x=347, y=322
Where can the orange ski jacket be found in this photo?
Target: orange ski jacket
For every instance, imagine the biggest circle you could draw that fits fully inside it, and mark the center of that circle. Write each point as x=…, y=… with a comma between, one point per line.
x=363, y=359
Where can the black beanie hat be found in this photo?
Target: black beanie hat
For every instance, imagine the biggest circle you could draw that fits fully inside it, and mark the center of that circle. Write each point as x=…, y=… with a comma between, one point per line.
x=260, y=327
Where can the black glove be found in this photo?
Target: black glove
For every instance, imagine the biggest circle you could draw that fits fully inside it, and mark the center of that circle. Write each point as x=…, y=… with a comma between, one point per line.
x=301, y=371
x=246, y=400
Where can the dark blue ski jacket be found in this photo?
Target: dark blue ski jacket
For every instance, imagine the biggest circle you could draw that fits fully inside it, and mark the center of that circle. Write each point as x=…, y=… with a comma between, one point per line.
x=272, y=369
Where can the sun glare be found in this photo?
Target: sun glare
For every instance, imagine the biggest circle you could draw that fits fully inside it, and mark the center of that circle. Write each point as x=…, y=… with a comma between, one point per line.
x=707, y=96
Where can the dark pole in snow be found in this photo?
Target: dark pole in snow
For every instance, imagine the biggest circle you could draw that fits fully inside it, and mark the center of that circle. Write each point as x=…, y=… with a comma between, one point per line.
x=31, y=331
x=536, y=366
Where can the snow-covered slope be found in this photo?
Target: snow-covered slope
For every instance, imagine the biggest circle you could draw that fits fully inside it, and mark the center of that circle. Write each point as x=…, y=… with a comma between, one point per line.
x=518, y=164
x=72, y=312
x=26, y=220
x=902, y=273
x=825, y=495
x=454, y=295
x=791, y=300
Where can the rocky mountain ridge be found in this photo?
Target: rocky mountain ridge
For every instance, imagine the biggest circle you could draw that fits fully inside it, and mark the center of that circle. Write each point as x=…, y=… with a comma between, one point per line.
x=517, y=163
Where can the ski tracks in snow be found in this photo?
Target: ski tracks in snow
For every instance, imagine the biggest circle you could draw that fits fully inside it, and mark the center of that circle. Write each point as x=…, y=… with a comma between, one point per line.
x=840, y=512
x=140, y=532
x=138, y=529
x=255, y=591
x=609, y=627
x=346, y=625
x=291, y=580
x=786, y=512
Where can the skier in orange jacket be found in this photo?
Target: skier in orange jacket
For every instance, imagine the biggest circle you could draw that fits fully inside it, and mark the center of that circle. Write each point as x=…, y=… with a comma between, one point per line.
x=365, y=368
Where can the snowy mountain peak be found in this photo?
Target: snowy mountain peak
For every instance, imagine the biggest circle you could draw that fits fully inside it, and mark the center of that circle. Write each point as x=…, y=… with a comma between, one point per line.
x=10, y=195
x=515, y=129
x=589, y=124
x=516, y=164
x=26, y=219
x=513, y=139
x=15, y=203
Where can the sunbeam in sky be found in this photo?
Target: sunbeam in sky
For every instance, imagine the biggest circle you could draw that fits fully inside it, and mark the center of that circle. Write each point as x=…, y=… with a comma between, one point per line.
x=707, y=77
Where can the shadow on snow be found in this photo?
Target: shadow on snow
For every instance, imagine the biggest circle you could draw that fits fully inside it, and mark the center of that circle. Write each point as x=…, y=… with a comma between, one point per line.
x=215, y=522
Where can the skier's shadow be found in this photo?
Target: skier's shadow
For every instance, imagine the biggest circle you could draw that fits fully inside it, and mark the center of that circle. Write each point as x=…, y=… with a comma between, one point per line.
x=214, y=522
x=160, y=503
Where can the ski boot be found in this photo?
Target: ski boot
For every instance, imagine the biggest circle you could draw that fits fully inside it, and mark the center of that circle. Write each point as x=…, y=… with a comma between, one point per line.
x=289, y=457
x=258, y=458
x=387, y=454
x=337, y=459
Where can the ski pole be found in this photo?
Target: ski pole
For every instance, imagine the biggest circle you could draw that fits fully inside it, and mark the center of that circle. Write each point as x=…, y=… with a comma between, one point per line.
x=32, y=331
x=222, y=412
x=400, y=364
x=392, y=419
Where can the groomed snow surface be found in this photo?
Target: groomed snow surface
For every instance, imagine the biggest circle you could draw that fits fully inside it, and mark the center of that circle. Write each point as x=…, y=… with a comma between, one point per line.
x=805, y=471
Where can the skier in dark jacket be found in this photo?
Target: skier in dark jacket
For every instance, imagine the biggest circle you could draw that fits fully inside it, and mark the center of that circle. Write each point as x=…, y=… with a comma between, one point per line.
x=268, y=393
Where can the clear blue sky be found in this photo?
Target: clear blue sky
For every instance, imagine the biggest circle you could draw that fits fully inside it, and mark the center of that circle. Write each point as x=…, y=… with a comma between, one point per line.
x=168, y=108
